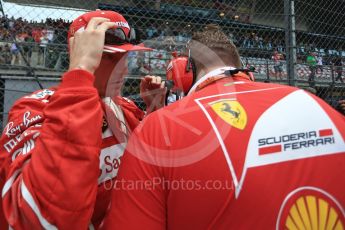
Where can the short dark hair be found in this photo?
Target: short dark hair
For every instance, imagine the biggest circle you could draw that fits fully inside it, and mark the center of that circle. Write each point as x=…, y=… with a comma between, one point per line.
x=218, y=42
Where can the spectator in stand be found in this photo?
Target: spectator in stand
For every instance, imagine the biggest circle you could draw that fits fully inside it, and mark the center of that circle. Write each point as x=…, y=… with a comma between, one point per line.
x=20, y=37
x=2, y=33
x=311, y=62
x=280, y=46
x=278, y=65
x=268, y=43
x=15, y=54
x=179, y=37
x=338, y=65
x=7, y=54
x=185, y=35
x=50, y=35
x=60, y=36
x=2, y=57
x=11, y=22
x=27, y=47
x=151, y=32
x=257, y=41
x=132, y=61
x=246, y=41
x=319, y=63
x=301, y=48
x=261, y=42
x=36, y=34
x=43, y=46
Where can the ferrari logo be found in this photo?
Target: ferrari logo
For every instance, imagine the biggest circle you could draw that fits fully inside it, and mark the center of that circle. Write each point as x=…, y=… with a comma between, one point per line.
x=231, y=112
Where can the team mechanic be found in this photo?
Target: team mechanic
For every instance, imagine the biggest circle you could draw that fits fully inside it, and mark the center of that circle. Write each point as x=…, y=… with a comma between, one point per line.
x=231, y=129
x=62, y=145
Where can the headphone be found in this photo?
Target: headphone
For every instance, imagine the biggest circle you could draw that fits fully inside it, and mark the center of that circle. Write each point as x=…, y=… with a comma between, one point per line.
x=181, y=73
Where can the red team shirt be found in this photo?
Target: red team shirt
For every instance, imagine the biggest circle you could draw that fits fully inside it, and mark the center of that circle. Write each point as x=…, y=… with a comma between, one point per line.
x=234, y=155
x=58, y=161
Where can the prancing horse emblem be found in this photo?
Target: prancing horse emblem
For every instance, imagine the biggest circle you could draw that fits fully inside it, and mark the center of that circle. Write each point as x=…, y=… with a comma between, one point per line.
x=231, y=111
x=227, y=109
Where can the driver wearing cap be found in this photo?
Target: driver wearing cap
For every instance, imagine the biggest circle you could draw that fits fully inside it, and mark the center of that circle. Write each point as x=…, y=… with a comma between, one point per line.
x=62, y=147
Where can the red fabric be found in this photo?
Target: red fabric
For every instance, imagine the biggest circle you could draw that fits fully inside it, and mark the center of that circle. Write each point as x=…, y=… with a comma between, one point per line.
x=37, y=34
x=132, y=113
x=54, y=139
x=177, y=174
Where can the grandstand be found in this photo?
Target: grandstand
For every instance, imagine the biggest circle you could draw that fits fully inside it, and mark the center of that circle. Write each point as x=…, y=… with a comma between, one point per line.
x=55, y=53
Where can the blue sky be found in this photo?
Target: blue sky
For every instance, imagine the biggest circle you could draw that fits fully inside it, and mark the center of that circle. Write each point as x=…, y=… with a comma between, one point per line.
x=39, y=13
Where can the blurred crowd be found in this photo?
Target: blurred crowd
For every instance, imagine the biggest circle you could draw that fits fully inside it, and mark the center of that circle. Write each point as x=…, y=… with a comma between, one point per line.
x=43, y=39
x=30, y=36
x=22, y=29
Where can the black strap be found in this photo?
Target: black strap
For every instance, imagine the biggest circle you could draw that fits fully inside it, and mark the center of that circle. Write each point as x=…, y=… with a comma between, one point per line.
x=236, y=71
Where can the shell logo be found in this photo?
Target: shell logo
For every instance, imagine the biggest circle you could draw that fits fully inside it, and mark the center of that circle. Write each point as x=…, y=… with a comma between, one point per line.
x=311, y=208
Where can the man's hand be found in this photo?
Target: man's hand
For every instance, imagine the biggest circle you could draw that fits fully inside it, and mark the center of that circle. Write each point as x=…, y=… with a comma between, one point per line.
x=153, y=92
x=86, y=47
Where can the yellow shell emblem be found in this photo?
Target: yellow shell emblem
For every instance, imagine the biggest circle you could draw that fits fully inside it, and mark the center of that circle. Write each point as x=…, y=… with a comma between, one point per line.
x=231, y=111
x=311, y=212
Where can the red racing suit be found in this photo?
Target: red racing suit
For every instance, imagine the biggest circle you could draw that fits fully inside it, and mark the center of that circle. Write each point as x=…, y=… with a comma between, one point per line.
x=59, y=158
x=235, y=154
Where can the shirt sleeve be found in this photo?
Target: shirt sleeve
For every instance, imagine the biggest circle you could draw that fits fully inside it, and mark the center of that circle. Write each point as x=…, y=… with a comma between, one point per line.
x=49, y=156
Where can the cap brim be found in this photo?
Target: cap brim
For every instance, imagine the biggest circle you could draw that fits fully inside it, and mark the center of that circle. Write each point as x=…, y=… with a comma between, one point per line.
x=125, y=48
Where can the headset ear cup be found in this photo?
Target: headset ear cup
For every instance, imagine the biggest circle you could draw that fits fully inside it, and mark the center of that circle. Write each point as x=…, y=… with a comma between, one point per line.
x=177, y=72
